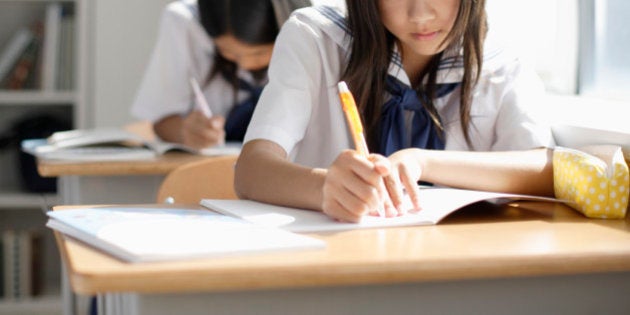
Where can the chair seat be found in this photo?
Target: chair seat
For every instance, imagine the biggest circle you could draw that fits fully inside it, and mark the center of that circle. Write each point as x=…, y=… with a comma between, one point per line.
x=212, y=178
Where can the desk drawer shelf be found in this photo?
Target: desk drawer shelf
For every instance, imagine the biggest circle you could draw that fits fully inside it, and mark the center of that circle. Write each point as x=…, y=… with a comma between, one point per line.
x=49, y=304
x=12, y=200
x=36, y=97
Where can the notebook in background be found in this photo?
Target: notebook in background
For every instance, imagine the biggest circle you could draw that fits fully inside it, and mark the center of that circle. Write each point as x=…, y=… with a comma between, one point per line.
x=111, y=144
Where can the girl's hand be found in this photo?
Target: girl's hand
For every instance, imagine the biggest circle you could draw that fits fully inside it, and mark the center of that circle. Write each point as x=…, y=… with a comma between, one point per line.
x=405, y=171
x=353, y=186
x=199, y=132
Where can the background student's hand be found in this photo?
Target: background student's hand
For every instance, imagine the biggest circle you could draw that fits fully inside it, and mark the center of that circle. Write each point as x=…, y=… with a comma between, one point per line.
x=198, y=131
x=405, y=171
x=354, y=187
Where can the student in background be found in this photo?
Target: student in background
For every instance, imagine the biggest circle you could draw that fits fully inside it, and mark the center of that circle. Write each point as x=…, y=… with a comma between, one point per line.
x=226, y=46
x=438, y=104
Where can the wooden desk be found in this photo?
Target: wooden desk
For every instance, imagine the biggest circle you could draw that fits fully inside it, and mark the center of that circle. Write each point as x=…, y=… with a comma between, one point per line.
x=532, y=258
x=109, y=182
x=112, y=181
x=105, y=182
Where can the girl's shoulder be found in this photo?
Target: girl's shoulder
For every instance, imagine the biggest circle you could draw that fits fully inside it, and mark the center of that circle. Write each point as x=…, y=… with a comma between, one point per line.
x=497, y=55
x=497, y=60
x=182, y=17
x=323, y=19
x=322, y=16
x=183, y=11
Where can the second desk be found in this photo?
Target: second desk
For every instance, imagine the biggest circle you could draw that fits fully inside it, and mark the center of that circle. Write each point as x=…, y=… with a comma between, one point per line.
x=104, y=182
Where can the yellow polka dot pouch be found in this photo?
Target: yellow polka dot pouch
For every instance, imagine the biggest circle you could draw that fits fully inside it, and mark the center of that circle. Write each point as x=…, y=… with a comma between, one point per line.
x=593, y=180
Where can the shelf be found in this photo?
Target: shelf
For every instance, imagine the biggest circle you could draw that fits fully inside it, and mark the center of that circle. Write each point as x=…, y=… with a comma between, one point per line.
x=37, y=97
x=21, y=210
x=35, y=1
x=24, y=200
x=48, y=304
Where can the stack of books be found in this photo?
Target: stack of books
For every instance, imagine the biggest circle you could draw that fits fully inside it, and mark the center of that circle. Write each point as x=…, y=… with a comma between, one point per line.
x=40, y=56
x=20, y=264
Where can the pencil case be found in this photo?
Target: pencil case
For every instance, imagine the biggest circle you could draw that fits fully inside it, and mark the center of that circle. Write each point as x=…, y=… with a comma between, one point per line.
x=593, y=180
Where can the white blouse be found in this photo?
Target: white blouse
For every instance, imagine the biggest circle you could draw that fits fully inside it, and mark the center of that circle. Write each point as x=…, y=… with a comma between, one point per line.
x=300, y=110
x=183, y=50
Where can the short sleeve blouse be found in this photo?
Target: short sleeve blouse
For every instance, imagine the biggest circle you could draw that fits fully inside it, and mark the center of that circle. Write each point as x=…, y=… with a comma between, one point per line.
x=183, y=50
x=300, y=108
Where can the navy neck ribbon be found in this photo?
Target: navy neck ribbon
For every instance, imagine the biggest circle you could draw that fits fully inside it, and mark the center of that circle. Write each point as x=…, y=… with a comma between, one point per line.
x=238, y=119
x=424, y=133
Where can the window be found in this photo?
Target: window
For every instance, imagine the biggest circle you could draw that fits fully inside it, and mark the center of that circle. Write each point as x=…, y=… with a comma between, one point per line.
x=576, y=46
x=544, y=34
x=579, y=48
x=604, y=67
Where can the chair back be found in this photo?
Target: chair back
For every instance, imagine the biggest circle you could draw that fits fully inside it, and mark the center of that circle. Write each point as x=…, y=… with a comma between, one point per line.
x=211, y=178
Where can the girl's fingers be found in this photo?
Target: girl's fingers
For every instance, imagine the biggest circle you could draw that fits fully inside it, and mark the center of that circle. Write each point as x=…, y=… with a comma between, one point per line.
x=411, y=186
x=381, y=164
x=345, y=208
x=348, y=190
x=392, y=188
x=367, y=169
x=216, y=122
x=394, y=191
x=386, y=201
x=201, y=132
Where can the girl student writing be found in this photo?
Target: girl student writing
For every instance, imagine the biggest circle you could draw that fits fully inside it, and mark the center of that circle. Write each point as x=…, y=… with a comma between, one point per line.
x=438, y=105
x=225, y=45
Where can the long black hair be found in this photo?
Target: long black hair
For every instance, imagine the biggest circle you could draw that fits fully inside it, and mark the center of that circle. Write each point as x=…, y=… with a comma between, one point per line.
x=372, y=49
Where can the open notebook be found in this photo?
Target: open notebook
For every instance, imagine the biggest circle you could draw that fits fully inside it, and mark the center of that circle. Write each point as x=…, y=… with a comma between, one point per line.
x=110, y=144
x=160, y=234
x=437, y=204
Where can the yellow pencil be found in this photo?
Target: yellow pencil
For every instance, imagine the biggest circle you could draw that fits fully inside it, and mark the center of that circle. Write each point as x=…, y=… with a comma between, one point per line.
x=356, y=127
x=352, y=115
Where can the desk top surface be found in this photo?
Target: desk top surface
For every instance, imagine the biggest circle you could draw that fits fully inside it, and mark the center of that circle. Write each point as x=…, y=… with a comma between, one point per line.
x=159, y=165
x=480, y=241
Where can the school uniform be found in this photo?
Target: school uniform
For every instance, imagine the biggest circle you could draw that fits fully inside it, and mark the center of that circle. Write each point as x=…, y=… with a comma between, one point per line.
x=300, y=109
x=184, y=50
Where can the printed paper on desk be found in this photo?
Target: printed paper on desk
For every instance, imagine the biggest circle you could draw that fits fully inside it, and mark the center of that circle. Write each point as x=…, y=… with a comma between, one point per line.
x=159, y=234
x=437, y=203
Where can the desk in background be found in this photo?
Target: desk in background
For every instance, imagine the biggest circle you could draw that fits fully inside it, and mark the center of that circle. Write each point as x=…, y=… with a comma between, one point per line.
x=112, y=182
x=533, y=258
x=104, y=182
x=109, y=182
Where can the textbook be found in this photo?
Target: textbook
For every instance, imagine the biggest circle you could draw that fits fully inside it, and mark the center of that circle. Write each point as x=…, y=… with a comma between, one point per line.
x=437, y=203
x=13, y=49
x=111, y=144
x=161, y=234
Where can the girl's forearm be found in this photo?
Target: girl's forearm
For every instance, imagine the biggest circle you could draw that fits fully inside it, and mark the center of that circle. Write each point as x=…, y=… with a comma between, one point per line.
x=263, y=173
x=524, y=172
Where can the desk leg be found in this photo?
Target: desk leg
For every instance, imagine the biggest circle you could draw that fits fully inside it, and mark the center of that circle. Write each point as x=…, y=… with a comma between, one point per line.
x=118, y=304
x=68, y=298
x=74, y=190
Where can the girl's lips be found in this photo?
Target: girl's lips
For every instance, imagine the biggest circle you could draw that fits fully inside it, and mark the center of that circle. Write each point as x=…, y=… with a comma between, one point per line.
x=425, y=36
